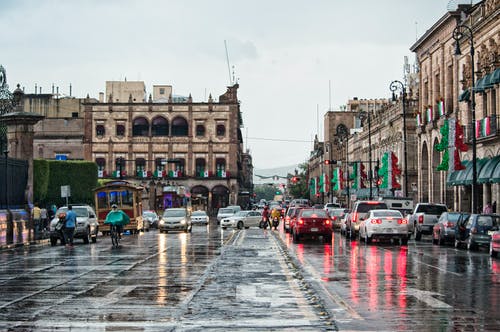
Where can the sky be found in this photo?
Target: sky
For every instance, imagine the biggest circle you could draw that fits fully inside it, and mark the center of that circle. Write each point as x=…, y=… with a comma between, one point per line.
x=293, y=60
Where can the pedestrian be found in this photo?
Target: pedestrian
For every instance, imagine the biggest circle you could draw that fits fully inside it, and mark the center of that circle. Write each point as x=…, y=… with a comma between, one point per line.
x=494, y=207
x=43, y=218
x=69, y=227
x=487, y=208
x=35, y=215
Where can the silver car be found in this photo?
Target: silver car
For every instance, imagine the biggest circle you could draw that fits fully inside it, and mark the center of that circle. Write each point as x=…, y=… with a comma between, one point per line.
x=242, y=219
x=200, y=217
x=384, y=224
x=86, y=228
x=175, y=219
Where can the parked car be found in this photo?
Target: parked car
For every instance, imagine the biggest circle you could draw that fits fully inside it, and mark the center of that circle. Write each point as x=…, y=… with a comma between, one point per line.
x=224, y=213
x=86, y=228
x=359, y=213
x=444, y=230
x=495, y=244
x=336, y=215
x=424, y=217
x=384, y=224
x=150, y=219
x=290, y=217
x=242, y=219
x=175, y=219
x=343, y=225
x=476, y=230
x=312, y=223
x=200, y=217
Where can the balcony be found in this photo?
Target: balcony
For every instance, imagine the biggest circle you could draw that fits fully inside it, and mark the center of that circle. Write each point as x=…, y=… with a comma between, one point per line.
x=485, y=128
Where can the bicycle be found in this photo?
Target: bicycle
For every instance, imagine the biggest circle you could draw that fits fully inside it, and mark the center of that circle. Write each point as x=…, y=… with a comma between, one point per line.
x=115, y=235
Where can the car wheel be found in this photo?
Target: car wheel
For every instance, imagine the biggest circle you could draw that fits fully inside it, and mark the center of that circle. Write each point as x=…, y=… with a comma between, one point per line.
x=368, y=239
x=86, y=237
x=53, y=241
x=418, y=236
x=493, y=253
x=94, y=239
x=457, y=244
x=434, y=239
x=240, y=225
x=327, y=238
x=441, y=240
x=296, y=237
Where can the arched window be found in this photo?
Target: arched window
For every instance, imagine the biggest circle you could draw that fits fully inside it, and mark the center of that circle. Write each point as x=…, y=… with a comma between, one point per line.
x=221, y=130
x=180, y=167
x=201, y=167
x=179, y=127
x=99, y=130
x=140, y=166
x=159, y=126
x=101, y=163
x=140, y=127
x=220, y=167
x=120, y=130
x=200, y=130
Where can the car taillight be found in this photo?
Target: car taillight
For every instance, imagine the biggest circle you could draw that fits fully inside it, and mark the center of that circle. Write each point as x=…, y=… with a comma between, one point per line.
x=354, y=217
x=420, y=219
x=300, y=221
x=402, y=221
x=327, y=221
x=376, y=221
x=473, y=230
x=449, y=225
x=334, y=218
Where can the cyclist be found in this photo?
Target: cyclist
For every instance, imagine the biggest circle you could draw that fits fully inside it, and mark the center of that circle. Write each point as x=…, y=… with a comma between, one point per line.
x=118, y=218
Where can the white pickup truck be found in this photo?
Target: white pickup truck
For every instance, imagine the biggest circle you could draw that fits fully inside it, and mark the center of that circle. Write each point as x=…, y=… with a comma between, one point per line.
x=424, y=217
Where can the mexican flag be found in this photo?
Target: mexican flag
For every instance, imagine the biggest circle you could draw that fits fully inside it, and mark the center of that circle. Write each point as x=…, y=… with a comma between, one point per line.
x=221, y=173
x=337, y=179
x=100, y=173
x=173, y=174
x=483, y=127
x=451, y=144
x=419, y=120
x=142, y=174
x=358, y=175
x=429, y=114
x=389, y=171
x=116, y=174
x=440, y=107
x=203, y=174
x=160, y=173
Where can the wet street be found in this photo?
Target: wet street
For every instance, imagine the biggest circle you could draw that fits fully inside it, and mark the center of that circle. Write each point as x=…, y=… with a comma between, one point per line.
x=247, y=280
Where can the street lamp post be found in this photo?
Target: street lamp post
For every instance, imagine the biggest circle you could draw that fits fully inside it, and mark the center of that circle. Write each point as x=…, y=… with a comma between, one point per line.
x=394, y=86
x=362, y=116
x=343, y=132
x=458, y=34
x=6, y=153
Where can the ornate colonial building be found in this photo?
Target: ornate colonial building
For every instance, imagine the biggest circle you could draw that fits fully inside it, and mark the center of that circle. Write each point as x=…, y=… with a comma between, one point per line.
x=179, y=149
x=445, y=98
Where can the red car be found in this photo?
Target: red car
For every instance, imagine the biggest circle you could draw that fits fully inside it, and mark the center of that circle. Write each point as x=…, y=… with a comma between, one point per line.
x=312, y=223
x=495, y=243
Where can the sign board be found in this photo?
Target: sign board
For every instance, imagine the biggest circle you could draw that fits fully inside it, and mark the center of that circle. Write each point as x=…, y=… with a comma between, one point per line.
x=65, y=191
x=61, y=157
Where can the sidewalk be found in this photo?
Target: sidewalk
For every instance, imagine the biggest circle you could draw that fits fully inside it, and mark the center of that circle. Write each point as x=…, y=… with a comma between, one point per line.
x=253, y=285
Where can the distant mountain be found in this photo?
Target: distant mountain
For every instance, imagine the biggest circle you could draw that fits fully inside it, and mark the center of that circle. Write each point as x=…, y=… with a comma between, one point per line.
x=267, y=174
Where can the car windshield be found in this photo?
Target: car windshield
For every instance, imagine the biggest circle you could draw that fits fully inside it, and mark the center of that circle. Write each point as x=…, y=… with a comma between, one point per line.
x=432, y=209
x=365, y=207
x=174, y=213
x=80, y=211
x=453, y=217
x=336, y=212
x=226, y=211
x=396, y=214
x=148, y=214
x=486, y=221
x=314, y=214
x=199, y=214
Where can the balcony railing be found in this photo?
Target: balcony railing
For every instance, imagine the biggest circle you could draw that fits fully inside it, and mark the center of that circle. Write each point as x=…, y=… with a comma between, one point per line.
x=484, y=128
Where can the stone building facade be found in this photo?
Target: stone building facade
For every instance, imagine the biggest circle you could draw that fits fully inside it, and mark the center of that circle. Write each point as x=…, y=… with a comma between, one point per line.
x=180, y=150
x=446, y=77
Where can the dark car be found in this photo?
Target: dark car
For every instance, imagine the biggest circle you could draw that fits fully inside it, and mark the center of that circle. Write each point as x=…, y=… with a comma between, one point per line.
x=444, y=230
x=290, y=217
x=476, y=230
x=312, y=223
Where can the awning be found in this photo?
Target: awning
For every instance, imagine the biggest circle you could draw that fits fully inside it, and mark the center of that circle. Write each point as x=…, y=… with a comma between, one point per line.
x=467, y=179
x=486, y=174
x=480, y=84
x=495, y=177
x=464, y=96
x=453, y=177
x=492, y=79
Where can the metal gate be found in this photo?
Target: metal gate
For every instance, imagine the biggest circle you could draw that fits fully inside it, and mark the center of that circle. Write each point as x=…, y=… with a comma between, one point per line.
x=13, y=180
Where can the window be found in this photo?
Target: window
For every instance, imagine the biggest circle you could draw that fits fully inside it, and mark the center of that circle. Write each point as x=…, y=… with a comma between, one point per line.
x=220, y=167
x=179, y=127
x=101, y=163
x=140, y=127
x=221, y=130
x=120, y=130
x=200, y=130
x=159, y=126
x=162, y=91
x=140, y=165
x=99, y=130
x=179, y=167
x=200, y=166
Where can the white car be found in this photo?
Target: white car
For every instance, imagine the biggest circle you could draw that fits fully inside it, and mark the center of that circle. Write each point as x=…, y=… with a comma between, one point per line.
x=242, y=219
x=224, y=213
x=199, y=217
x=384, y=224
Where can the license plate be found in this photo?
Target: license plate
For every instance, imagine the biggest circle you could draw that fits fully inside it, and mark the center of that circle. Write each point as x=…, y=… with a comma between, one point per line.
x=490, y=233
x=314, y=229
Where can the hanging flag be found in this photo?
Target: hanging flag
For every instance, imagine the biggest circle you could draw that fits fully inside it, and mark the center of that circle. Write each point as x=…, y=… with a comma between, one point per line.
x=430, y=114
x=116, y=174
x=100, y=173
x=337, y=179
x=451, y=143
x=419, y=120
x=440, y=107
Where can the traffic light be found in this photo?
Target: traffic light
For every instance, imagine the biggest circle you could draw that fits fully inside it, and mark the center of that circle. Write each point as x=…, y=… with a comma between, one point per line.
x=330, y=162
x=295, y=179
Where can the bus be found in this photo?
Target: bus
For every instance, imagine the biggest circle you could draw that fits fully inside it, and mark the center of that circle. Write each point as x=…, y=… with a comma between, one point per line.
x=127, y=196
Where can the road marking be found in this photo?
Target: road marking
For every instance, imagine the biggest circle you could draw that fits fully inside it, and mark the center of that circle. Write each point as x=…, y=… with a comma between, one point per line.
x=428, y=298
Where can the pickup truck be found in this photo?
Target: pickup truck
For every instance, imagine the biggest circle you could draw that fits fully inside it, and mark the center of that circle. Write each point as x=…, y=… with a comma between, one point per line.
x=423, y=218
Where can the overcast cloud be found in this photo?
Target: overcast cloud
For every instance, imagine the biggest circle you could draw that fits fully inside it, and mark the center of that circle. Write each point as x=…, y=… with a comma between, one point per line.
x=284, y=54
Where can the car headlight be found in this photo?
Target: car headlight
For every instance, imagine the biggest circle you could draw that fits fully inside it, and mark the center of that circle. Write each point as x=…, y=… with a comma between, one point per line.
x=183, y=221
x=162, y=221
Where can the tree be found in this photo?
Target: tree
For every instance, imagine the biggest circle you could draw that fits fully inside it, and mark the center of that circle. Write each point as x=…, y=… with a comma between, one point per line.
x=299, y=189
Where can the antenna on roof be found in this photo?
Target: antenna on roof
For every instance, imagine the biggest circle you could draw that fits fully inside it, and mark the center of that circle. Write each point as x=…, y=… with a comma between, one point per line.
x=228, y=66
